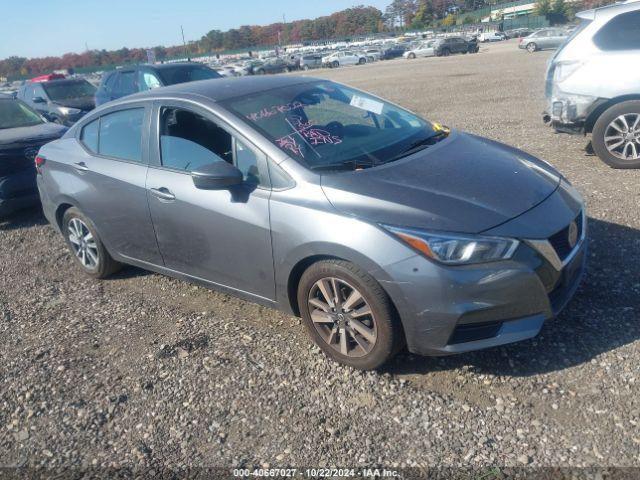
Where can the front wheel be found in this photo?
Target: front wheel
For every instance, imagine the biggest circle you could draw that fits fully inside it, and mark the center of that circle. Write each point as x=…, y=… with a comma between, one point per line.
x=85, y=244
x=445, y=53
x=412, y=55
x=348, y=314
x=335, y=64
x=532, y=47
x=616, y=135
x=362, y=61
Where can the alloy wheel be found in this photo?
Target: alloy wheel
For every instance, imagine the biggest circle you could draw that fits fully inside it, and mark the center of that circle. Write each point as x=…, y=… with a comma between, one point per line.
x=342, y=317
x=622, y=136
x=83, y=244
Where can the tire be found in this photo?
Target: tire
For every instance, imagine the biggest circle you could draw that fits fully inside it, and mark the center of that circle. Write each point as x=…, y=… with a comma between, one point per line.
x=532, y=47
x=261, y=72
x=362, y=61
x=606, y=125
x=335, y=64
x=382, y=336
x=446, y=52
x=105, y=265
x=412, y=56
x=305, y=67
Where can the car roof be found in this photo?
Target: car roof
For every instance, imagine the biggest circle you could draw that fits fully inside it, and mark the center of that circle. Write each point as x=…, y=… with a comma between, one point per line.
x=219, y=89
x=63, y=81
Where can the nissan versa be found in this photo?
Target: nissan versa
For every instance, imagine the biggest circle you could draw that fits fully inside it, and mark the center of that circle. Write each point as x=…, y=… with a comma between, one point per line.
x=377, y=227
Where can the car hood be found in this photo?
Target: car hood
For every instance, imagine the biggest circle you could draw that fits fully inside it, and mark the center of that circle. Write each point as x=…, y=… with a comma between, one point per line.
x=36, y=134
x=464, y=184
x=83, y=103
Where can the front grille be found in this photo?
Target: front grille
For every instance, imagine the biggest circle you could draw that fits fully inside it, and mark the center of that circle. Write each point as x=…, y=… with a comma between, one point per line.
x=19, y=158
x=560, y=240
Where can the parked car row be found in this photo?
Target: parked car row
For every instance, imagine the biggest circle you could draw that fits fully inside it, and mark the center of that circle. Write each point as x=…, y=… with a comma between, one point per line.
x=442, y=47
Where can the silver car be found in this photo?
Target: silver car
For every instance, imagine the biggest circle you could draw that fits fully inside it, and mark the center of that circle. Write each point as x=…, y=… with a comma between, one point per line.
x=543, y=39
x=593, y=83
x=379, y=228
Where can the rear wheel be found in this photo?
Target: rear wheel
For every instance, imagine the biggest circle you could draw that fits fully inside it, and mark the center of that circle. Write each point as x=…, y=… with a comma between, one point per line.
x=85, y=244
x=305, y=67
x=532, y=47
x=616, y=135
x=348, y=314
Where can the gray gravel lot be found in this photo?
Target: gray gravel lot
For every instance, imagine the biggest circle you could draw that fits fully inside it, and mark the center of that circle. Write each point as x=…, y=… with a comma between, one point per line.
x=143, y=370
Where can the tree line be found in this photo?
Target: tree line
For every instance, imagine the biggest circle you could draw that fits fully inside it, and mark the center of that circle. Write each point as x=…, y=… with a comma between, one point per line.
x=350, y=22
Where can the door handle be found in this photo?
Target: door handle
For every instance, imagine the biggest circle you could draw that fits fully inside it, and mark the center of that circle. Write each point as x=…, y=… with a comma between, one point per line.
x=81, y=166
x=163, y=194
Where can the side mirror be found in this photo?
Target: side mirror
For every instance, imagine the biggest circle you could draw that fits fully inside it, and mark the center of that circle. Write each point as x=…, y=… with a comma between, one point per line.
x=38, y=100
x=216, y=176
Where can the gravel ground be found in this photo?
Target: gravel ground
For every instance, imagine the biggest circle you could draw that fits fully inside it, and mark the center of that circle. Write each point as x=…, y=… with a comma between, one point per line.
x=146, y=371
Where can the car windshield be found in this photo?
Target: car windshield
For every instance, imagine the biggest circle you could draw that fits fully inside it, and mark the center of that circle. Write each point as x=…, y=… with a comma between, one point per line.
x=68, y=89
x=324, y=125
x=186, y=73
x=15, y=114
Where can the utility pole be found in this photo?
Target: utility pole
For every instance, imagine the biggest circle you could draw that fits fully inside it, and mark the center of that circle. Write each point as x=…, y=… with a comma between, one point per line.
x=184, y=43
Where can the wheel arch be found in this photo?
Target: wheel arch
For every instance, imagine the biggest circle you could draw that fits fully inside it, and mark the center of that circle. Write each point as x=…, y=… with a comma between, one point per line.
x=306, y=256
x=592, y=118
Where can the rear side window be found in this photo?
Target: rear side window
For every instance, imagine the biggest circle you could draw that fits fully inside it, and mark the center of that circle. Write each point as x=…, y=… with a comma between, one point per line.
x=620, y=33
x=89, y=135
x=121, y=134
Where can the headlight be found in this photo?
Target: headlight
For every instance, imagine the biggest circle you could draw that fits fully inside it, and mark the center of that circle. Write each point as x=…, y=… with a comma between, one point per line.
x=454, y=249
x=68, y=110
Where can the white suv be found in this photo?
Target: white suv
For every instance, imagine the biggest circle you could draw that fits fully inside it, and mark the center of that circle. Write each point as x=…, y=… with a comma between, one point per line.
x=593, y=83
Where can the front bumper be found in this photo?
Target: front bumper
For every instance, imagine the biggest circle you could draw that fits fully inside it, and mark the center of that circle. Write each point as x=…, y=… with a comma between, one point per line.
x=447, y=310
x=18, y=191
x=569, y=113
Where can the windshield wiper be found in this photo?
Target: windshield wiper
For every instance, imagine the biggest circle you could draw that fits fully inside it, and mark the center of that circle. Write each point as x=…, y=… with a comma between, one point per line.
x=346, y=165
x=420, y=144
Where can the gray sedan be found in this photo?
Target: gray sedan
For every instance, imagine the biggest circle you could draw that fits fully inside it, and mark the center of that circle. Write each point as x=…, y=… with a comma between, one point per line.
x=543, y=39
x=377, y=227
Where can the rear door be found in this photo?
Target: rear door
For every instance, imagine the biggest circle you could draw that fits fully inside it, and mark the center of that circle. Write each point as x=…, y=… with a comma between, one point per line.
x=222, y=236
x=107, y=181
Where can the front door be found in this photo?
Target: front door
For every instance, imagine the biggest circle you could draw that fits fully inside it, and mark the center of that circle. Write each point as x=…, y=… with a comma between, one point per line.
x=222, y=236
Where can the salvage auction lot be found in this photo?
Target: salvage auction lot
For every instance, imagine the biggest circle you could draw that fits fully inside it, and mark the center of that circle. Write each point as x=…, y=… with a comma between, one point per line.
x=145, y=370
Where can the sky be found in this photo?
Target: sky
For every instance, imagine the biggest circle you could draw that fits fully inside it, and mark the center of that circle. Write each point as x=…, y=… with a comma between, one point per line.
x=37, y=28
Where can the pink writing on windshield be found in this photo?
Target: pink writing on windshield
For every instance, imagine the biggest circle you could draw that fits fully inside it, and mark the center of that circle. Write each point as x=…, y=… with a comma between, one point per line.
x=314, y=136
x=274, y=110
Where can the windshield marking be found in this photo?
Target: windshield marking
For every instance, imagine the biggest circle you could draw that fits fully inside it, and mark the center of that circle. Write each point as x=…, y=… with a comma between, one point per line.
x=274, y=110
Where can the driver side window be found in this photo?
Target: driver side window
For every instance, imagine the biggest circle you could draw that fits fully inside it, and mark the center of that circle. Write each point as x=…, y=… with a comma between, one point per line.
x=189, y=141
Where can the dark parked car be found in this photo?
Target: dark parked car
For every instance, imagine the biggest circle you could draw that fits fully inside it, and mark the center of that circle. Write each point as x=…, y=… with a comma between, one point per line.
x=447, y=46
x=139, y=78
x=393, y=52
x=62, y=101
x=272, y=65
x=373, y=224
x=22, y=132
